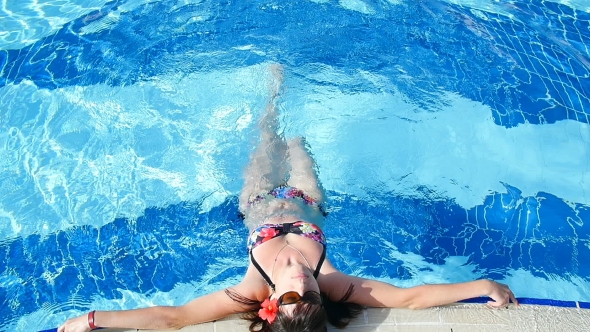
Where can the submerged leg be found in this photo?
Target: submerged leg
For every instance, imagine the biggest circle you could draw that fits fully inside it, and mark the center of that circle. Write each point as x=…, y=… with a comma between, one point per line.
x=303, y=173
x=267, y=168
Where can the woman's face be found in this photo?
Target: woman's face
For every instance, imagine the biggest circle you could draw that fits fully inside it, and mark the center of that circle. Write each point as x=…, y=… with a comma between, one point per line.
x=295, y=277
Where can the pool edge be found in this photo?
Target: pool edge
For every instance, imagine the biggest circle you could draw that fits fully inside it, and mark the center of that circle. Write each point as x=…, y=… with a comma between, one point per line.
x=471, y=317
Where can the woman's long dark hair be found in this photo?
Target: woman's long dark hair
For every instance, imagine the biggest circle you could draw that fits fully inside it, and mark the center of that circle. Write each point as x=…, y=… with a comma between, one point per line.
x=306, y=317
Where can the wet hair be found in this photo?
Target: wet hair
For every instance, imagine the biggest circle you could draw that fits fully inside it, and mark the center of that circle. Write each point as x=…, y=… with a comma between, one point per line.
x=306, y=317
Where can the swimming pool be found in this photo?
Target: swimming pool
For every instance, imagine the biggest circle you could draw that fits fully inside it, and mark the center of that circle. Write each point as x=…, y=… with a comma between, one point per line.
x=453, y=139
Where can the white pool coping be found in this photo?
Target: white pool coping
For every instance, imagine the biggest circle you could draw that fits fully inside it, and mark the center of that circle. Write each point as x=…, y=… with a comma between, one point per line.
x=453, y=318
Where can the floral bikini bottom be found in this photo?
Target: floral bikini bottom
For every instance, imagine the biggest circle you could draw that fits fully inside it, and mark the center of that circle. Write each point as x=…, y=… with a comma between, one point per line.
x=288, y=192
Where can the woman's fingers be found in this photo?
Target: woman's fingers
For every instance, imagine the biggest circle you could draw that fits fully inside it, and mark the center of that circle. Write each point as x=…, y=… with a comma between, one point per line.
x=78, y=324
x=501, y=296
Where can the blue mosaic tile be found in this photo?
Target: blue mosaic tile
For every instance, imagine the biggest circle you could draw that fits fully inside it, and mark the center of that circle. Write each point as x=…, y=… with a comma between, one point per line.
x=555, y=303
x=463, y=56
x=531, y=301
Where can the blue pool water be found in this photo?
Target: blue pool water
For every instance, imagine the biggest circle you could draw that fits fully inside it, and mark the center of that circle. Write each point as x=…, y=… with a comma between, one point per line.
x=453, y=138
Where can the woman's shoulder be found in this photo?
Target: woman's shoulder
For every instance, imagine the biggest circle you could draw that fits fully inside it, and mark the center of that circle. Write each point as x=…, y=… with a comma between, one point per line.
x=333, y=282
x=252, y=286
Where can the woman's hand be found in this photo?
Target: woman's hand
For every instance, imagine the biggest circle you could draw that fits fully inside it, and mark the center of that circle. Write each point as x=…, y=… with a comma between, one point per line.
x=500, y=294
x=78, y=324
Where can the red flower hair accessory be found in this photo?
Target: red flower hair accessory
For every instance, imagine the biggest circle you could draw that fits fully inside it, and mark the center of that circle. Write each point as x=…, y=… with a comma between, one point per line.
x=268, y=310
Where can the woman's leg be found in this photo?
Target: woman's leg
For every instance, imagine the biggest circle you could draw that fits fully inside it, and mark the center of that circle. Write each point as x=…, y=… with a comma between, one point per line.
x=303, y=170
x=267, y=168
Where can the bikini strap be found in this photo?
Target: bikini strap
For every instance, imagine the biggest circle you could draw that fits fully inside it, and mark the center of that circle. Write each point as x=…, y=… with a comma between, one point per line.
x=287, y=227
x=287, y=230
x=319, y=266
x=261, y=271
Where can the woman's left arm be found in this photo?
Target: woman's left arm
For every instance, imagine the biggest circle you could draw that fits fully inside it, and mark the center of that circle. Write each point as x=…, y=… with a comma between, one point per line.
x=375, y=293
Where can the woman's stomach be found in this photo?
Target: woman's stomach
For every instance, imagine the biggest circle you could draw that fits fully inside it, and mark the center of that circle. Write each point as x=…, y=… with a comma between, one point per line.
x=278, y=210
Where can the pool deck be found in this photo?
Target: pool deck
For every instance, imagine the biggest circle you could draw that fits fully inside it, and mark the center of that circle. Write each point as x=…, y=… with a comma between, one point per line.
x=460, y=317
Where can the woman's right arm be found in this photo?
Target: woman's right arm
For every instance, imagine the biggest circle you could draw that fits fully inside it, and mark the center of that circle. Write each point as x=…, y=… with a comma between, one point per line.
x=200, y=310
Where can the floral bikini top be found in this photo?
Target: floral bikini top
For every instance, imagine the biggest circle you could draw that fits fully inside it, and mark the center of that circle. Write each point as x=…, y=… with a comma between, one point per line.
x=269, y=231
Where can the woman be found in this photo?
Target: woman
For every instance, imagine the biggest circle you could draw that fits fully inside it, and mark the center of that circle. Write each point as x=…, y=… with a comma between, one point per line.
x=289, y=284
